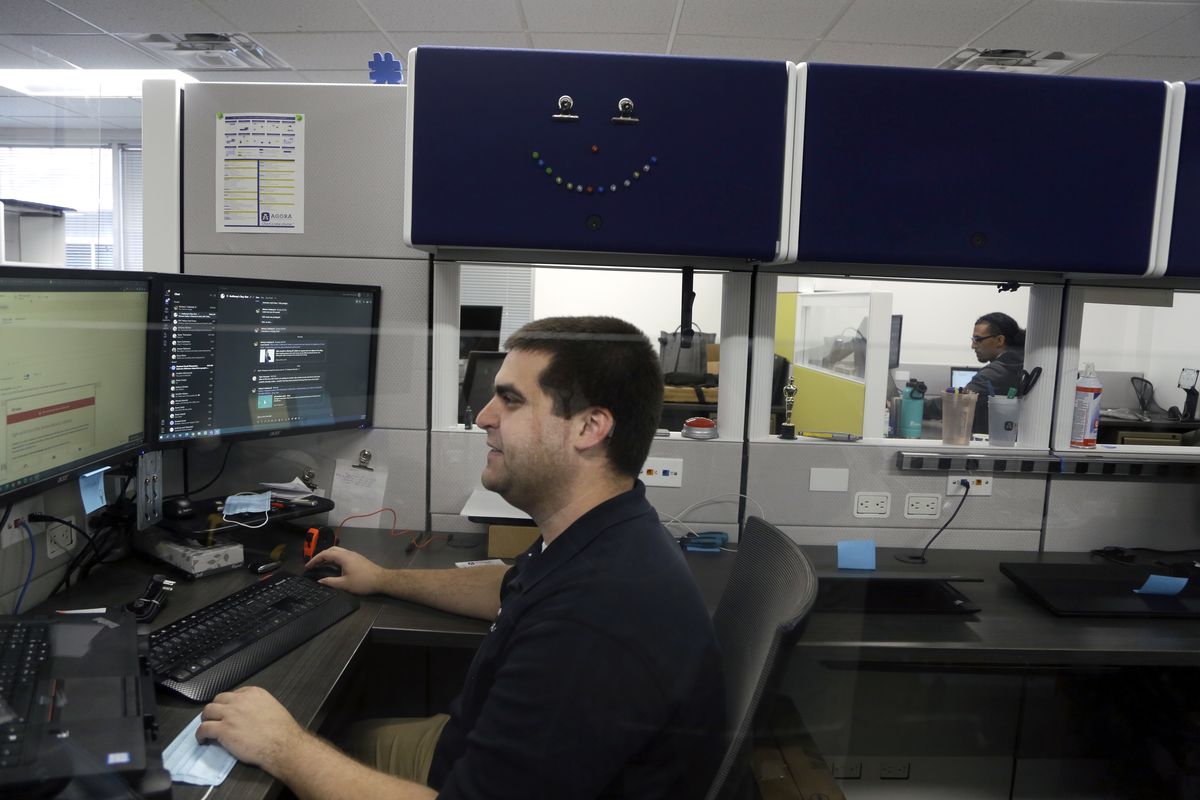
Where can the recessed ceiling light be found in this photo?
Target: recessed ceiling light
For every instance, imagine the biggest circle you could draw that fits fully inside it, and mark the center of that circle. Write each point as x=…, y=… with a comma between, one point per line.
x=86, y=82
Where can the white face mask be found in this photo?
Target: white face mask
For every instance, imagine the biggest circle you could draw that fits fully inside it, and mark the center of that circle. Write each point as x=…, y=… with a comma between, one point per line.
x=188, y=761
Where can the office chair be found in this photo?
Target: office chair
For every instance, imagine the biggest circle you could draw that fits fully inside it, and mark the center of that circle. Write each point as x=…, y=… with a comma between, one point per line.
x=771, y=588
x=1144, y=390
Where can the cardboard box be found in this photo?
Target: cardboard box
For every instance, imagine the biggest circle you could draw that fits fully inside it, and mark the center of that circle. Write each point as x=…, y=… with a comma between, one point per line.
x=189, y=556
x=713, y=357
x=509, y=541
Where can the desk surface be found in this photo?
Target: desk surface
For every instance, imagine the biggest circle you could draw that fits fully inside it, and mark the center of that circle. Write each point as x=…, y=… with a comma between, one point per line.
x=1009, y=630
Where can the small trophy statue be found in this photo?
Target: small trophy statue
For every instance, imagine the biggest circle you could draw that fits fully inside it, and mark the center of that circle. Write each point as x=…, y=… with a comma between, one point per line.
x=788, y=430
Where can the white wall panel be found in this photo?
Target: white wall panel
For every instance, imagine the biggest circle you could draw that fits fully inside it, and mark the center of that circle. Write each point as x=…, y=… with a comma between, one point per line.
x=284, y=458
x=1090, y=512
x=779, y=479
x=353, y=168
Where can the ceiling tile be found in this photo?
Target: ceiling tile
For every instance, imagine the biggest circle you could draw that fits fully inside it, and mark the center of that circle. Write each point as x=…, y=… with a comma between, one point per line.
x=16, y=58
x=794, y=19
x=148, y=16
x=1082, y=27
x=887, y=55
x=245, y=76
x=122, y=123
x=337, y=76
x=930, y=22
x=90, y=51
x=74, y=123
x=99, y=107
x=407, y=40
x=445, y=15
x=1162, y=68
x=324, y=50
x=603, y=42
x=282, y=16
x=24, y=106
x=38, y=16
x=599, y=16
x=742, y=47
x=1180, y=38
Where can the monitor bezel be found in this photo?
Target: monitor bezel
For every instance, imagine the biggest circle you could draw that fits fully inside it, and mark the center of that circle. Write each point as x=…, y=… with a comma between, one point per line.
x=121, y=454
x=161, y=281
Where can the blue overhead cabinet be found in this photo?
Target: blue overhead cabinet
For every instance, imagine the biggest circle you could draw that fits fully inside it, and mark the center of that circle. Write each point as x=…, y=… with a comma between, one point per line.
x=1184, y=254
x=979, y=170
x=530, y=153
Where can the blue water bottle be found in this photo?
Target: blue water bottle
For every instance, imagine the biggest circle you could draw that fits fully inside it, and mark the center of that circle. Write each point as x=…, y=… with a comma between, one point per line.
x=912, y=409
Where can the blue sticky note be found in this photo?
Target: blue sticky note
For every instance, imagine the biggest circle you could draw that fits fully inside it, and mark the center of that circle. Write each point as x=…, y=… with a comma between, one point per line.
x=1162, y=584
x=856, y=554
x=91, y=489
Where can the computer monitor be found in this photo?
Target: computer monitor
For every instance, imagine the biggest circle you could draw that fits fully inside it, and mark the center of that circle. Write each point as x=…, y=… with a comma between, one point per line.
x=479, y=328
x=894, y=345
x=961, y=376
x=243, y=358
x=479, y=380
x=72, y=374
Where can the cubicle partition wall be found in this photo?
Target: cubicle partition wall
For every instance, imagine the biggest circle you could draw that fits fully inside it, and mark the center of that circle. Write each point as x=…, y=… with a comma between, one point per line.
x=350, y=202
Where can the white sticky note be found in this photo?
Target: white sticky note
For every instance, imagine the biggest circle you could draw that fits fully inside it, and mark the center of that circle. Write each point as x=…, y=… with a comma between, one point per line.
x=359, y=491
x=828, y=479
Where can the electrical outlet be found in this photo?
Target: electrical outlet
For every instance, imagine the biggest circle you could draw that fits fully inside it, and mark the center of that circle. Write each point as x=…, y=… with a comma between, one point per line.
x=981, y=485
x=922, y=506
x=149, y=489
x=873, y=505
x=893, y=770
x=60, y=539
x=663, y=472
x=845, y=770
x=13, y=533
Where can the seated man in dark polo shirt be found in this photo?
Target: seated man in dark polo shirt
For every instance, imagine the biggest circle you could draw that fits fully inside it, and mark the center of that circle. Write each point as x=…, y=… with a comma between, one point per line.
x=600, y=677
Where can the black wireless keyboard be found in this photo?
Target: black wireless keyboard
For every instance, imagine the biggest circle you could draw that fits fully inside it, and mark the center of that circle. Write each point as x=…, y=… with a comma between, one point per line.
x=222, y=644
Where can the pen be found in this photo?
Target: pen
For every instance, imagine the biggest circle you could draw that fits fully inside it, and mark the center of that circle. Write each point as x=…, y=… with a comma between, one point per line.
x=836, y=437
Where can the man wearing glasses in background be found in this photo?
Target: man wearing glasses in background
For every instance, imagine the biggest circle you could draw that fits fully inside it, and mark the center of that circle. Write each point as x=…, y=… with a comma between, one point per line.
x=999, y=344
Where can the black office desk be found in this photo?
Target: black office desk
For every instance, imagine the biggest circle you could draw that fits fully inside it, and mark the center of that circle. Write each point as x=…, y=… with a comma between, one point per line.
x=1010, y=630
x=1109, y=428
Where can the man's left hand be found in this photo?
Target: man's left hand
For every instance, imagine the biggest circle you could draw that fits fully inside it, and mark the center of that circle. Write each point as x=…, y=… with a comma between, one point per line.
x=251, y=725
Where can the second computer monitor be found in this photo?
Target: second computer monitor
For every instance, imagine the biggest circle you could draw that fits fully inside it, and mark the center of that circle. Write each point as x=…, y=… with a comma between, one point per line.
x=240, y=358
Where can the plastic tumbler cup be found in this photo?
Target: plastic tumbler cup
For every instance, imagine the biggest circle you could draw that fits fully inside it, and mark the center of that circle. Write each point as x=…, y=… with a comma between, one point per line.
x=1003, y=413
x=958, y=417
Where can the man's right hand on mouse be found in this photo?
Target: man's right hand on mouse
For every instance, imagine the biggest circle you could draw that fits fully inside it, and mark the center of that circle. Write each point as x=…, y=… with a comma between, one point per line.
x=359, y=575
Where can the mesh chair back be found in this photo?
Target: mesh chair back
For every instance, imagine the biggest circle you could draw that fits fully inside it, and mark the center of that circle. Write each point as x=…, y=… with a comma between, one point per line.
x=770, y=590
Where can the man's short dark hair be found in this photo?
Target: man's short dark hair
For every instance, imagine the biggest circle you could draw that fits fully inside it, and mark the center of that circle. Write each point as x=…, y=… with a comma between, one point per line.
x=600, y=361
x=999, y=324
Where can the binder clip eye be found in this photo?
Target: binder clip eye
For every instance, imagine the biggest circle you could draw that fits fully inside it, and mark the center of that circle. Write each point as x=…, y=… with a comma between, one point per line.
x=565, y=104
x=625, y=113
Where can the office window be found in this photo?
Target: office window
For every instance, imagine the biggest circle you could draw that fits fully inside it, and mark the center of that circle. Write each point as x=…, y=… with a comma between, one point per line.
x=651, y=300
x=101, y=184
x=1141, y=344
x=850, y=346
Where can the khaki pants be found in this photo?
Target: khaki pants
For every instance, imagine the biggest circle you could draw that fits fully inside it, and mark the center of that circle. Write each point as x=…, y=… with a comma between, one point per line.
x=401, y=747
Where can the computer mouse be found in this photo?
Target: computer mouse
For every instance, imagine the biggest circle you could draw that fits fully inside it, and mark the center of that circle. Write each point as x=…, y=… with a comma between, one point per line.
x=326, y=569
x=178, y=508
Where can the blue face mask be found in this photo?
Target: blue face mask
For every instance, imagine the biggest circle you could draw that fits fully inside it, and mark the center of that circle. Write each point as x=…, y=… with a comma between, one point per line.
x=188, y=761
x=247, y=504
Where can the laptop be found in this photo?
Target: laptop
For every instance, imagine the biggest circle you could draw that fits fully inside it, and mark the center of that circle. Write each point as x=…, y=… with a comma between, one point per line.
x=961, y=376
x=1099, y=590
x=77, y=710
